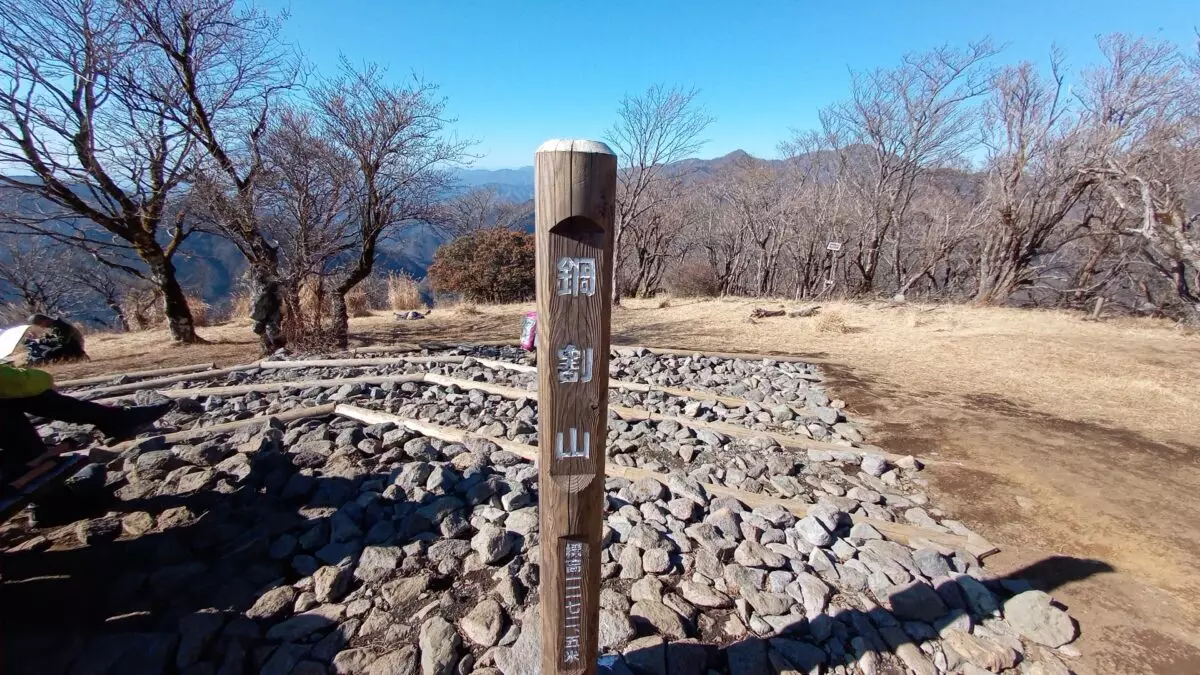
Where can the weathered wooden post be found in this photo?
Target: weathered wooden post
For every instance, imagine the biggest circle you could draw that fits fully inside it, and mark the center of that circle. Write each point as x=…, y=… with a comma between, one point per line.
x=575, y=194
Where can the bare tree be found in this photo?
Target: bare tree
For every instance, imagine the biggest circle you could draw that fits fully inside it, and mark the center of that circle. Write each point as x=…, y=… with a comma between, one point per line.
x=31, y=277
x=1144, y=105
x=656, y=242
x=897, y=125
x=230, y=69
x=103, y=156
x=483, y=208
x=1035, y=148
x=653, y=131
x=762, y=207
x=307, y=195
x=394, y=136
x=947, y=215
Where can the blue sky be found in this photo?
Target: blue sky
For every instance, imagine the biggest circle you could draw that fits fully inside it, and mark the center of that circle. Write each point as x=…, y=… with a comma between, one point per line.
x=517, y=73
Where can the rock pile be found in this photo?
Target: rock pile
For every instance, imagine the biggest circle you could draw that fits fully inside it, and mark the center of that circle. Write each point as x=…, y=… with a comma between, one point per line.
x=325, y=546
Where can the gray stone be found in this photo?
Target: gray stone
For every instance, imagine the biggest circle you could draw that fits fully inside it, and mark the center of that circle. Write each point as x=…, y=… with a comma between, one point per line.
x=647, y=588
x=309, y=667
x=302, y=625
x=421, y=450
x=646, y=656
x=631, y=563
x=864, y=531
x=646, y=490
x=764, y=602
x=376, y=562
x=683, y=509
x=754, y=554
x=273, y=604
x=782, y=413
x=931, y=563
x=352, y=661
x=284, y=660
x=656, y=561
x=687, y=657
x=909, y=653
x=524, y=657
x=914, y=601
x=439, y=644
x=330, y=583
x=813, y=531
x=688, y=488
x=828, y=416
x=1034, y=616
x=979, y=652
x=704, y=596
x=484, y=624
x=646, y=538
x=803, y=656
x=814, y=594
x=196, y=631
x=663, y=619
x=402, y=591
x=615, y=628
x=874, y=465
x=748, y=657
x=979, y=599
x=491, y=543
x=402, y=661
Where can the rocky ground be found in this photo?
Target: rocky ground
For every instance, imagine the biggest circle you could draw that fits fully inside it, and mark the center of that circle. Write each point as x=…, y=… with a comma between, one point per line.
x=324, y=545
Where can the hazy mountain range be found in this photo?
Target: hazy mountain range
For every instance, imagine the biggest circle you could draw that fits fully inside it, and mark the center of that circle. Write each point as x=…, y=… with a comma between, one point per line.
x=211, y=267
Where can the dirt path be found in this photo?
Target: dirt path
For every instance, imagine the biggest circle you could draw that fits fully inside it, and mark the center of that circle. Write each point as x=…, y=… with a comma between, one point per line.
x=1104, y=518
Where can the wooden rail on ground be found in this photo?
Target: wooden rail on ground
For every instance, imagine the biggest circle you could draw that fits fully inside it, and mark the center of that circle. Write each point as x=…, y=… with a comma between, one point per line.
x=136, y=374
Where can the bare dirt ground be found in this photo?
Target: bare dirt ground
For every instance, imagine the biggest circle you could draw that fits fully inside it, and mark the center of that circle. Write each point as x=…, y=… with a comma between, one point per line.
x=1077, y=441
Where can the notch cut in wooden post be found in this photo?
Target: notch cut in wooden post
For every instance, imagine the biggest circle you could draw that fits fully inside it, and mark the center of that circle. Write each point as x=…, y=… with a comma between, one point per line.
x=575, y=197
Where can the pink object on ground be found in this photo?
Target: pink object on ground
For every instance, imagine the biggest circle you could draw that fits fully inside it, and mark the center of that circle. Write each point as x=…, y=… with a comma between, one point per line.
x=529, y=331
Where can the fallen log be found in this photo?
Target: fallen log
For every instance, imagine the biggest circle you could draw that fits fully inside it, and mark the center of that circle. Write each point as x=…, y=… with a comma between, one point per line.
x=137, y=374
x=760, y=313
x=804, y=313
x=976, y=545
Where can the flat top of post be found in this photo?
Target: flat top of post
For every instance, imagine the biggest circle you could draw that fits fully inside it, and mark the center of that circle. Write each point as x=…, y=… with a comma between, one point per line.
x=570, y=145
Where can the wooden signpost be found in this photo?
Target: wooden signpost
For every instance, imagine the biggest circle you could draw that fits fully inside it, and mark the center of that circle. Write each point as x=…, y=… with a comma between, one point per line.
x=575, y=195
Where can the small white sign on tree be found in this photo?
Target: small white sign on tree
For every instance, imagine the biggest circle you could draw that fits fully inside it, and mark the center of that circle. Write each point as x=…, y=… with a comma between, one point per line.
x=834, y=246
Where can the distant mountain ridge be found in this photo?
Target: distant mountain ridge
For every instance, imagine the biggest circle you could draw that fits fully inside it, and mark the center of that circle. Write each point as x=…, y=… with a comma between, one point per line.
x=517, y=183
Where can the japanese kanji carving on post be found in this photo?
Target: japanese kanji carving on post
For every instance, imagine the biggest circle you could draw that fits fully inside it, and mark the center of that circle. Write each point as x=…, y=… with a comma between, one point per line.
x=576, y=276
x=574, y=364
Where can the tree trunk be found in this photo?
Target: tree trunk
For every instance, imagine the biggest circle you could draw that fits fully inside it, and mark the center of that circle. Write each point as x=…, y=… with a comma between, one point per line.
x=175, y=304
x=341, y=318
x=264, y=271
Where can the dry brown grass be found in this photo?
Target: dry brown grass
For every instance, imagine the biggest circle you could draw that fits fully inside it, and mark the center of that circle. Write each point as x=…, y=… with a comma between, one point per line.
x=403, y=293
x=358, y=302
x=832, y=322
x=144, y=311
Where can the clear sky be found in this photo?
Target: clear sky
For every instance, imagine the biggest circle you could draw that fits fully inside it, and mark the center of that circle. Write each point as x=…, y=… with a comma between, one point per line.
x=517, y=73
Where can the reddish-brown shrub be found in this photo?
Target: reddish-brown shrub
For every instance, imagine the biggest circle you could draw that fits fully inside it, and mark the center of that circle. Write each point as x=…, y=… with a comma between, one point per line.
x=488, y=266
x=693, y=279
